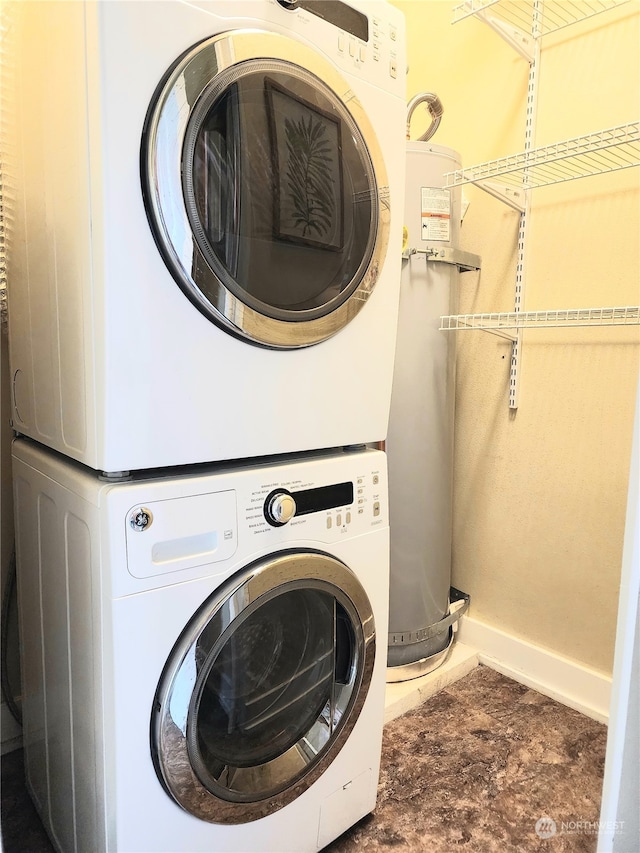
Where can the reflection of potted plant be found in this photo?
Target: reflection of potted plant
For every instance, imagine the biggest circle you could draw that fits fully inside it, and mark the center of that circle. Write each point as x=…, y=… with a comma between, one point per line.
x=309, y=176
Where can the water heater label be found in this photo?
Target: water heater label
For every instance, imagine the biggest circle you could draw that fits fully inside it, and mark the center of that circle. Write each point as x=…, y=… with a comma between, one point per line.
x=436, y=213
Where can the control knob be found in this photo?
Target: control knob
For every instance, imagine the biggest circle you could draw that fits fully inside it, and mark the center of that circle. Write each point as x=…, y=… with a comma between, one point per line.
x=279, y=508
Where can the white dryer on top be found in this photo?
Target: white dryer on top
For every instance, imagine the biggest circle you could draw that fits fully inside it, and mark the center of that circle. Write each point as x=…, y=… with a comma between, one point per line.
x=206, y=252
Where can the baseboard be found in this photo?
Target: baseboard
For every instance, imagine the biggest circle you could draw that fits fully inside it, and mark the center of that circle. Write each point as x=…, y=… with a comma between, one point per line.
x=404, y=696
x=563, y=679
x=11, y=733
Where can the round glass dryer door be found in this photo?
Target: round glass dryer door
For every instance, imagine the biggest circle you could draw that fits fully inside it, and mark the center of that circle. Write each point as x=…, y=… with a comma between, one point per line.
x=265, y=188
x=263, y=687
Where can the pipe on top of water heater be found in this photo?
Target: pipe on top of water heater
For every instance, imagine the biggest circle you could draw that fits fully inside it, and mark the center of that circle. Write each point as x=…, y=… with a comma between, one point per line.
x=434, y=105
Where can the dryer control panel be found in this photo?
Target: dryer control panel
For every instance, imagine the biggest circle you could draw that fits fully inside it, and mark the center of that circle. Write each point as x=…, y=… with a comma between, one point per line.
x=361, y=36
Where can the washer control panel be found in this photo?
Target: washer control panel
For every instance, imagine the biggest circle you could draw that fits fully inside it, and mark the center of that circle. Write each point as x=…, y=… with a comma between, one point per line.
x=212, y=520
x=282, y=505
x=321, y=509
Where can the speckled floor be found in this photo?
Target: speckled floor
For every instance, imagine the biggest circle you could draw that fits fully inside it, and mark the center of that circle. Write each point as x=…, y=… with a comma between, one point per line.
x=475, y=767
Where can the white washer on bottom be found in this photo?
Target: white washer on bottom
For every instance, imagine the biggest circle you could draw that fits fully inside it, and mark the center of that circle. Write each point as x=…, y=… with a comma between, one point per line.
x=203, y=654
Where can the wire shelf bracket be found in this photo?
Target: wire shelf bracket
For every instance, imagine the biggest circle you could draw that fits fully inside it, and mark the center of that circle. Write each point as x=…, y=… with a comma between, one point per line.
x=515, y=197
x=519, y=40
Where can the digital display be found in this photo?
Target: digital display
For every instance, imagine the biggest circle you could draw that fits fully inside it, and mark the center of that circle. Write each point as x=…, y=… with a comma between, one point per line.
x=324, y=497
x=340, y=15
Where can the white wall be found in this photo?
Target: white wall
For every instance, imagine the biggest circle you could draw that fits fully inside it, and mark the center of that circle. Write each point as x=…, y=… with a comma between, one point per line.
x=619, y=817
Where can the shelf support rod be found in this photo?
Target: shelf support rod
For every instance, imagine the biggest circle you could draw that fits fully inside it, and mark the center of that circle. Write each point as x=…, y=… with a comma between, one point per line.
x=532, y=99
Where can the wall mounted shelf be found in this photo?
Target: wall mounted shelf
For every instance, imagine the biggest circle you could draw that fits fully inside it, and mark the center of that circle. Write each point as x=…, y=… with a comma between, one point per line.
x=594, y=154
x=527, y=20
x=522, y=24
x=501, y=322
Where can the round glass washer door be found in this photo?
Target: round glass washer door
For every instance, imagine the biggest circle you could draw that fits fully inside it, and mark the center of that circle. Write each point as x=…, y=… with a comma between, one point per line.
x=265, y=188
x=263, y=687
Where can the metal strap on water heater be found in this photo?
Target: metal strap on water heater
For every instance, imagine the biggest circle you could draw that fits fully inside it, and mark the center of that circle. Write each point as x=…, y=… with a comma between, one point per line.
x=459, y=604
x=465, y=261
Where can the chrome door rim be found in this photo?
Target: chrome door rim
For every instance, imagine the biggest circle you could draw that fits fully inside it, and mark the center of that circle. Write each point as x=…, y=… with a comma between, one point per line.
x=161, y=168
x=170, y=735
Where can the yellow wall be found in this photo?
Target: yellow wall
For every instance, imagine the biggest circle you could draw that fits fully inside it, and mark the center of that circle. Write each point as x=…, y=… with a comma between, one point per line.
x=540, y=494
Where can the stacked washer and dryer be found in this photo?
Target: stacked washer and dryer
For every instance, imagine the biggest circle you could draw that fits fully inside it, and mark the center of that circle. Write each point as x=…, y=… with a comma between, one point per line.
x=203, y=287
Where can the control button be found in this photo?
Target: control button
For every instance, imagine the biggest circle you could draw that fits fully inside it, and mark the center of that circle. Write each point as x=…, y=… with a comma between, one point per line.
x=360, y=500
x=376, y=479
x=339, y=520
x=348, y=518
x=279, y=508
x=352, y=48
x=359, y=481
x=341, y=42
x=393, y=33
x=329, y=522
x=360, y=491
x=393, y=68
x=361, y=510
x=362, y=54
x=376, y=508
